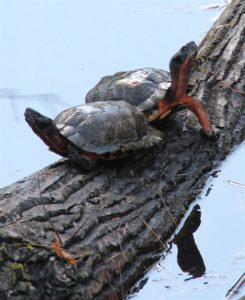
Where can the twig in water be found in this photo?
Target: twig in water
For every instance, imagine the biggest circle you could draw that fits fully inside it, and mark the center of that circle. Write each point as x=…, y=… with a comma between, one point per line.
x=235, y=183
x=234, y=289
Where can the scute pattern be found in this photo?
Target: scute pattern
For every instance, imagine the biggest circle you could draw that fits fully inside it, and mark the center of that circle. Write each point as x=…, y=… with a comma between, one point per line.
x=134, y=87
x=107, y=127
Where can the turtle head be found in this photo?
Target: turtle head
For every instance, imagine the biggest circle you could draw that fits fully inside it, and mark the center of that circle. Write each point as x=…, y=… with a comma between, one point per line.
x=45, y=128
x=183, y=58
x=37, y=120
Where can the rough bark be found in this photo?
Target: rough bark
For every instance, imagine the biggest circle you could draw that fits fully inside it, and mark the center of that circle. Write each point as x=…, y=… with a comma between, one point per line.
x=116, y=218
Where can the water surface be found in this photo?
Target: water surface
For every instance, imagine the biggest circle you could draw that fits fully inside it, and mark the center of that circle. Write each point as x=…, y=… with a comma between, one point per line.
x=53, y=52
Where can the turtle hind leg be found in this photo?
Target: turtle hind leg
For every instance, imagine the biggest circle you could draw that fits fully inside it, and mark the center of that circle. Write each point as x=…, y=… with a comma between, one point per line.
x=83, y=161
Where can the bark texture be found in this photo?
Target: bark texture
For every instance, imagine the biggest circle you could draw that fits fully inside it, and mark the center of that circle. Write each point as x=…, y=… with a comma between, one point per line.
x=116, y=218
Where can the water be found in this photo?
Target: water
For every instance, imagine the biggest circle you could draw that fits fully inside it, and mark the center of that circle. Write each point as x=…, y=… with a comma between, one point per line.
x=53, y=52
x=220, y=240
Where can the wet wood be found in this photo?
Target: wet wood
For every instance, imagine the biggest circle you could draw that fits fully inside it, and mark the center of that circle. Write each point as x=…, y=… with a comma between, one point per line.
x=115, y=220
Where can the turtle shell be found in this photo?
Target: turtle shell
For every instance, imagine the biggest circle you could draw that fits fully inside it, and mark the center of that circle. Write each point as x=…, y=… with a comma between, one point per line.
x=135, y=87
x=107, y=127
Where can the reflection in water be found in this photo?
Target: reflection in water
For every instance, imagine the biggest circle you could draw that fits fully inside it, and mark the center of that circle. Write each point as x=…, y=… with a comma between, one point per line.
x=189, y=258
x=138, y=286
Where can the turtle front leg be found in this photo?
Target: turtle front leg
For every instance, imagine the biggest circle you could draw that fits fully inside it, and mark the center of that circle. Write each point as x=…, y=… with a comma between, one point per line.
x=164, y=109
x=79, y=158
x=203, y=118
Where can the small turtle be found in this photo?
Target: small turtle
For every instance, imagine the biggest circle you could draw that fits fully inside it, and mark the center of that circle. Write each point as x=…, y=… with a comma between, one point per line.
x=95, y=131
x=155, y=92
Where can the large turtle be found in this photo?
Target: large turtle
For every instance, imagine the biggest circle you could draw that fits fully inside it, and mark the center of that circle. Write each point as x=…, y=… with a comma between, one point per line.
x=155, y=92
x=95, y=131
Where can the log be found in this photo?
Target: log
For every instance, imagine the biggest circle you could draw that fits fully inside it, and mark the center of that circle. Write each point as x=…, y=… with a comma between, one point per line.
x=115, y=219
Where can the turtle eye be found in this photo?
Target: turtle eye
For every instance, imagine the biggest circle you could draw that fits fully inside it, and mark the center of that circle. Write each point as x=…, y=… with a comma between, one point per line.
x=184, y=49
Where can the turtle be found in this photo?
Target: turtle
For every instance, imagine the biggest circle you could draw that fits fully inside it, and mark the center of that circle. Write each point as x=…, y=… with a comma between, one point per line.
x=154, y=91
x=96, y=131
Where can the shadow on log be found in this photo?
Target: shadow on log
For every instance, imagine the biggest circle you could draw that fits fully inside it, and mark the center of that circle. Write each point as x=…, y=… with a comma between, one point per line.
x=115, y=219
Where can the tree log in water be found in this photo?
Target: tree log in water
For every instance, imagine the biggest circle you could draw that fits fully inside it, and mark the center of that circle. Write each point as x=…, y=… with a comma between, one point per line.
x=115, y=219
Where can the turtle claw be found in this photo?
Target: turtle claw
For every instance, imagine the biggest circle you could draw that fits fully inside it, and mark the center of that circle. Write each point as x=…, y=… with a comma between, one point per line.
x=82, y=161
x=211, y=134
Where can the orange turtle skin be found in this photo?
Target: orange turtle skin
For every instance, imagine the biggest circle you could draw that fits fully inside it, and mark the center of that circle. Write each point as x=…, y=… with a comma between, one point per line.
x=156, y=92
x=177, y=96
